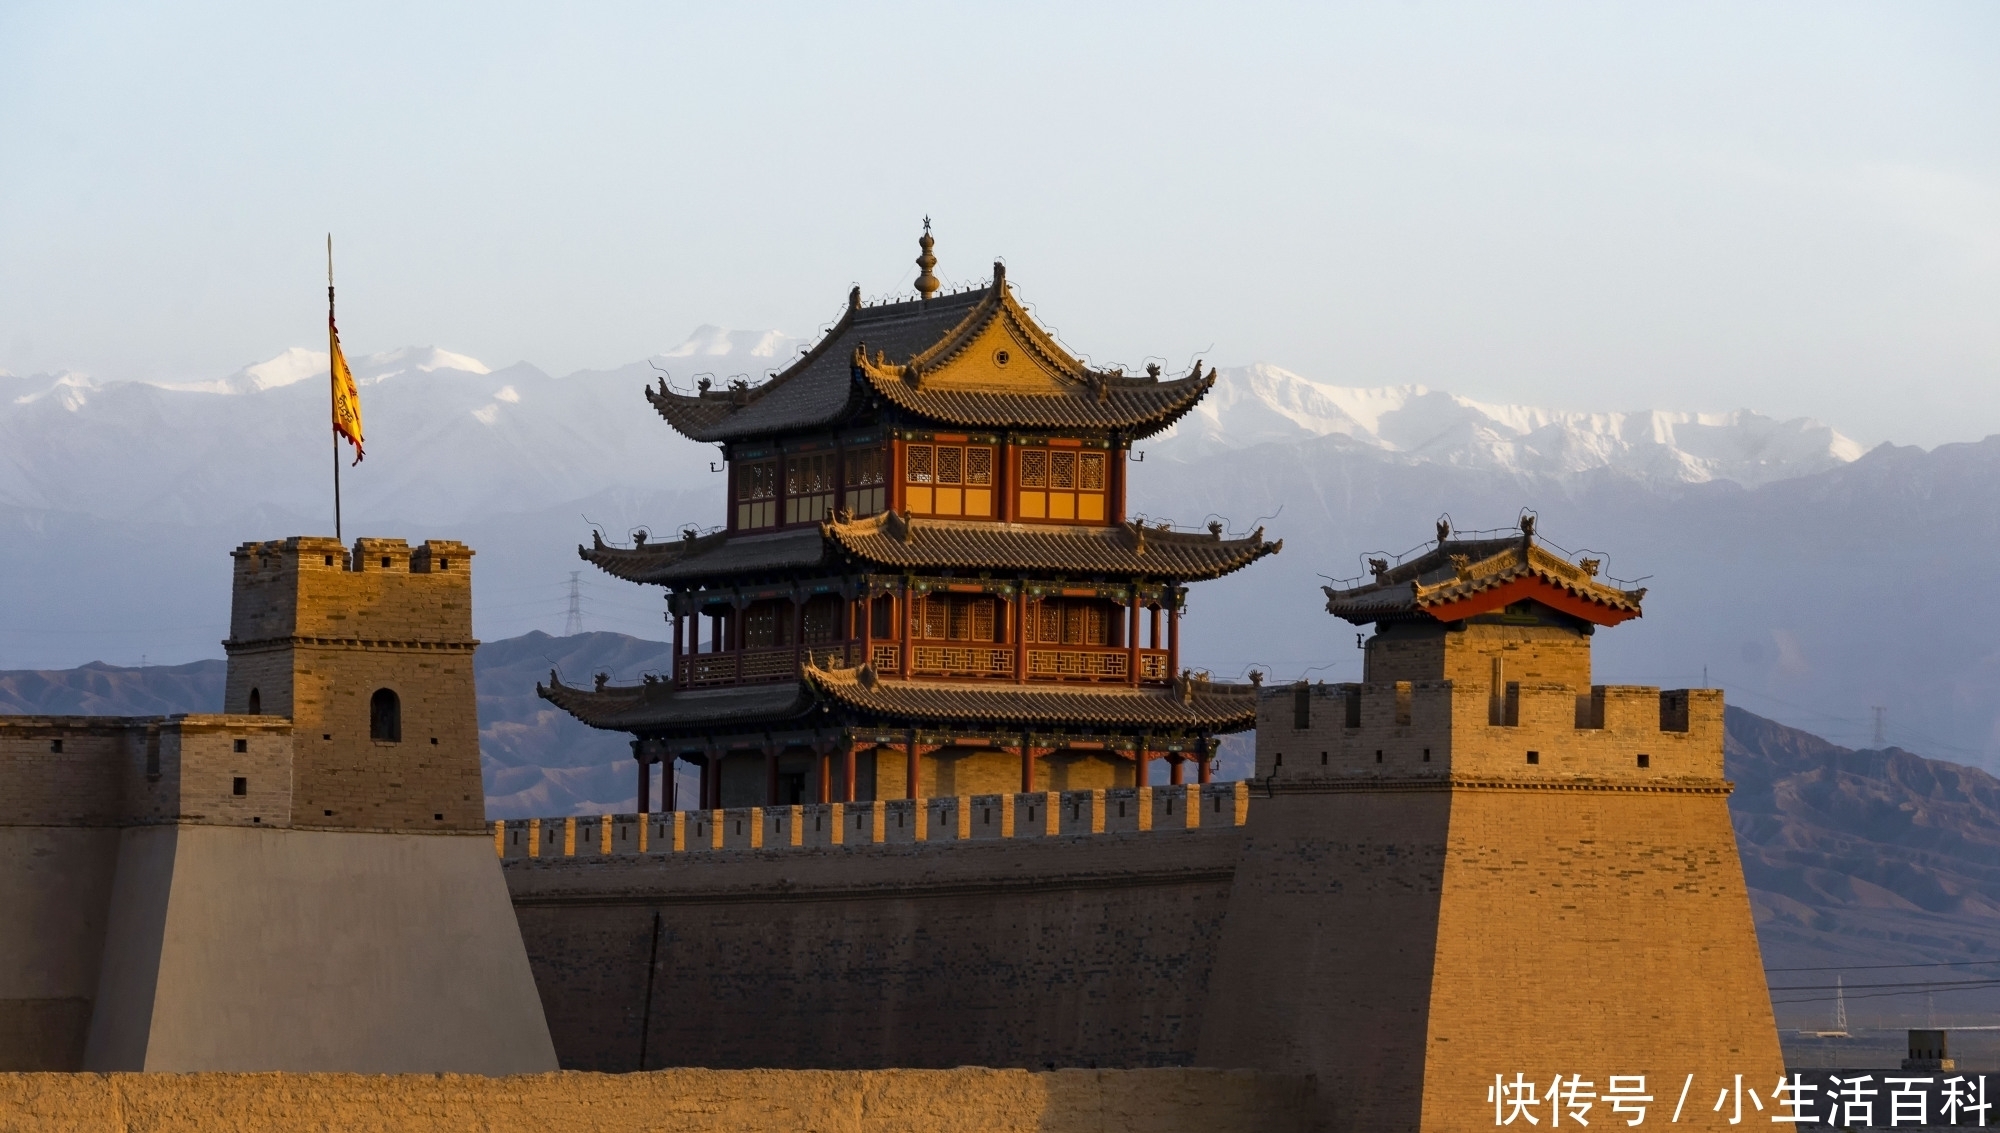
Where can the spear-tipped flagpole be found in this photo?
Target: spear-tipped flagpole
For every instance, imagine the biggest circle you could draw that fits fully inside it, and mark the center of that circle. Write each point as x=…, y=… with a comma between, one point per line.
x=333, y=387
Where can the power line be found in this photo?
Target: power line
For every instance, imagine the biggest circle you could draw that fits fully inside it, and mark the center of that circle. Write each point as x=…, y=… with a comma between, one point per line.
x=1866, y=967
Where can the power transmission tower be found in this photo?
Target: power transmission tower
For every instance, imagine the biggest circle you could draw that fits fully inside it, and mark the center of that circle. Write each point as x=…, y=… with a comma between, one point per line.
x=1881, y=730
x=574, y=625
x=1839, y=1005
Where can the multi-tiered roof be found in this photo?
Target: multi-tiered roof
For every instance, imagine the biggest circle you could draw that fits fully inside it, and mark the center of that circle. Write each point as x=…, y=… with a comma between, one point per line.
x=926, y=543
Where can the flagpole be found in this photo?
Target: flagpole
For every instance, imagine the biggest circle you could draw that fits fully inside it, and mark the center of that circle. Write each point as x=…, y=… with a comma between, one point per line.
x=333, y=388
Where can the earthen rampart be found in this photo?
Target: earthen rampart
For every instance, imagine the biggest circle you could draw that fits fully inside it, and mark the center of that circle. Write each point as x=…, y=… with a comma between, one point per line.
x=968, y=1100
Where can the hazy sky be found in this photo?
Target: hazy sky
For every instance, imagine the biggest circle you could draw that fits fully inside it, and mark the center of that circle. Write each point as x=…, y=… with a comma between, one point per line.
x=1794, y=208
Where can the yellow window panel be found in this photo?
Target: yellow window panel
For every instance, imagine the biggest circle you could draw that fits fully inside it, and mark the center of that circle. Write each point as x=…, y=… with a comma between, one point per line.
x=978, y=501
x=1062, y=505
x=1090, y=506
x=949, y=501
x=1034, y=505
x=920, y=499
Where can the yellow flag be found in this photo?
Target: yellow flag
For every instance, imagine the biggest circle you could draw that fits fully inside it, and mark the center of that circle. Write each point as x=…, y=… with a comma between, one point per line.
x=346, y=398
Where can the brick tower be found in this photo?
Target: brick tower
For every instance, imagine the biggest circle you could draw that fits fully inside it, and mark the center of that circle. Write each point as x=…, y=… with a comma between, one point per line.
x=370, y=655
x=303, y=882
x=1475, y=863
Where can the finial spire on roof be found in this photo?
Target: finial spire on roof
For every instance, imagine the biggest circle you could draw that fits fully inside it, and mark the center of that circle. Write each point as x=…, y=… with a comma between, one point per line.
x=927, y=284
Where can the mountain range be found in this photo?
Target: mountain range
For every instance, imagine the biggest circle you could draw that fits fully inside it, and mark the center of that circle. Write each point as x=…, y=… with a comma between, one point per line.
x=1818, y=583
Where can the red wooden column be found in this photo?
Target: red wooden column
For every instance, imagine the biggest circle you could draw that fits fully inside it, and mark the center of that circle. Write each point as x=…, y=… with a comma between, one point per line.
x=1173, y=631
x=912, y=773
x=1201, y=753
x=847, y=771
x=1027, y=764
x=867, y=634
x=798, y=632
x=909, y=630
x=645, y=777
x=736, y=620
x=1153, y=638
x=1132, y=638
x=1021, y=635
x=1141, y=761
x=708, y=777
x=1175, y=765
x=678, y=648
x=823, y=757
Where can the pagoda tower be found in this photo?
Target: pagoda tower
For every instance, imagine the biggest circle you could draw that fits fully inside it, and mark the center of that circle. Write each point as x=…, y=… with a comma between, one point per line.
x=926, y=581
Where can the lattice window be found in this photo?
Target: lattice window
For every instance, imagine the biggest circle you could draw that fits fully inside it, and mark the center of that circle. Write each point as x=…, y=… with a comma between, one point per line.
x=865, y=492
x=1062, y=470
x=1091, y=467
x=757, y=494
x=957, y=617
x=808, y=487
x=1034, y=468
x=1064, y=485
x=822, y=620
x=761, y=629
x=1049, y=622
x=936, y=481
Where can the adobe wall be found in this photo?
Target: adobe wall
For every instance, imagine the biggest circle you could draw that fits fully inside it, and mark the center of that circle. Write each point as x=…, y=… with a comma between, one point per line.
x=55, y=889
x=240, y=948
x=1069, y=950
x=696, y=1101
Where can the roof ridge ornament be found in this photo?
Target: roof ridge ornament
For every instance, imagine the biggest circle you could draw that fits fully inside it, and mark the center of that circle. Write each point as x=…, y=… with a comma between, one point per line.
x=927, y=284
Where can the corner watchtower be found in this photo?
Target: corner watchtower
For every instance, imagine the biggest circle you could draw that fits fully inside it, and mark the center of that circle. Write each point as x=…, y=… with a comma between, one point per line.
x=369, y=653
x=1475, y=856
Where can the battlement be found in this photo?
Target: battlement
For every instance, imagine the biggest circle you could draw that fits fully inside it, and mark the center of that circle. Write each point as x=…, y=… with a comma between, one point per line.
x=368, y=652
x=1442, y=729
x=383, y=592
x=107, y=771
x=964, y=818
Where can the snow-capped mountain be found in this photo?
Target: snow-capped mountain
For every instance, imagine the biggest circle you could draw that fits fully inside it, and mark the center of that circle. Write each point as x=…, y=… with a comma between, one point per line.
x=1263, y=404
x=1810, y=579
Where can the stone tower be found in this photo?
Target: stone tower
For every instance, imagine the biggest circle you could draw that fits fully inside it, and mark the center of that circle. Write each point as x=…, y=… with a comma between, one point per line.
x=370, y=655
x=1475, y=863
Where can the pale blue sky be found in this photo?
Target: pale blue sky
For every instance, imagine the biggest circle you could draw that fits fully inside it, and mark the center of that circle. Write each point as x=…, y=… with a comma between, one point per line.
x=1791, y=207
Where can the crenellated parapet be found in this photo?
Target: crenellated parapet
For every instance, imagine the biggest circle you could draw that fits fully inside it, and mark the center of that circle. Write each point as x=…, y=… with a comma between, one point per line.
x=959, y=819
x=1629, y=734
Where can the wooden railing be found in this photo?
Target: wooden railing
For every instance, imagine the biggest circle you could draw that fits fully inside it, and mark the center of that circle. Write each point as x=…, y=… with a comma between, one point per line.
x=760, y=666
x=1096, y=664
x=963, y=660
x=763, y=666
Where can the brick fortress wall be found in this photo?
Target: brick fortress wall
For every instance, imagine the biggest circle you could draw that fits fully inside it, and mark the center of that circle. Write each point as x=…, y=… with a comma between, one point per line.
x=316, y=631
x=1019, y=945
